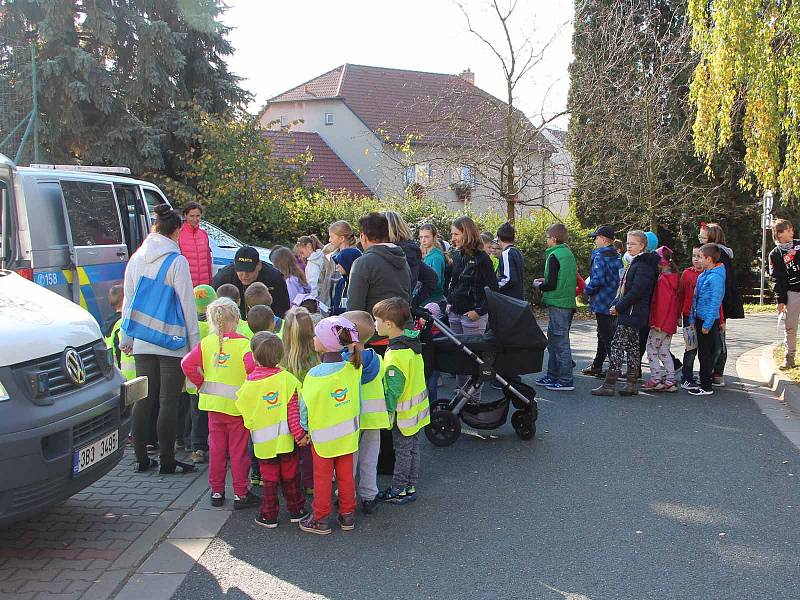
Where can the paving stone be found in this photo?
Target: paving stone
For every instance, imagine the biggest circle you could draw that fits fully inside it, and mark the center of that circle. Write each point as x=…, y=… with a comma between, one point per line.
x=152, y=587
x=35, y=574
x=44, y=586
x=73, y=565
x=9, y=587
x=64, y=596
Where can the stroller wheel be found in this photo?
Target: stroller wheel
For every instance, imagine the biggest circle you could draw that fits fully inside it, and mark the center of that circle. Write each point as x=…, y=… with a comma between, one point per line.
x=524, y=423
x=444, y=428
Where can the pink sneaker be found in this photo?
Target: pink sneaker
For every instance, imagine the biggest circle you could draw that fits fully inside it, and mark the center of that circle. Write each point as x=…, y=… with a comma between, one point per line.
x=669, y=386
x=652, y=385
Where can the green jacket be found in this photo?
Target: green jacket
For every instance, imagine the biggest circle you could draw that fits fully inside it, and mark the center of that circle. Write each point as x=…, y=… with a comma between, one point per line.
x=564, y=294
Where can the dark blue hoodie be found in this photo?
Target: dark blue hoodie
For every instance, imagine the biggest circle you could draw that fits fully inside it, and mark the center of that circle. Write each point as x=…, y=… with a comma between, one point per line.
x=370, y=364
x=345, y=258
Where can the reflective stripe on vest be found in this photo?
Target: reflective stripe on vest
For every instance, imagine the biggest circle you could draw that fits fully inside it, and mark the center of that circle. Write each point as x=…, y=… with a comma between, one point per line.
x=204, y=330
x=222, y=378
x=373, y=402
x=264, y=404
x=413, y=408
x=333, y=402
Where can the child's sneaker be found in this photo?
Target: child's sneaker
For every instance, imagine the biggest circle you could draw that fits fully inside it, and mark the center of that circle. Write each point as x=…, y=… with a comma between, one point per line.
x=560, y=387
x=246, y=501
x=368, y=506
x=255, y=479
x=298, y=516
x=701, y=392
x=718, y=381
x=266, y=522
x=393, y=495
x=217, y=499
x=546, y=380
x=652, y=385
x=311, y=525
x=347, y=522
x=411, y=493
x=669, y=386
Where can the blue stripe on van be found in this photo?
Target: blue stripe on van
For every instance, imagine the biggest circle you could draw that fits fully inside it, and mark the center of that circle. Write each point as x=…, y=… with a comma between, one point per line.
x=222, y=261
x=105, y=272
x=49, y=278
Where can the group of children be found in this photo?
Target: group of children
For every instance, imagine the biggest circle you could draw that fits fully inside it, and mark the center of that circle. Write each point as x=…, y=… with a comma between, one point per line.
x=692, y=299
x=302, y=403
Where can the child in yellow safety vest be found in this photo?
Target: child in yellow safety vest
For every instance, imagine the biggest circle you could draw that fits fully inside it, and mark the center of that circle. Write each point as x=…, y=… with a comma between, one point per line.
x=299, y=357
x=218, y=366
x=204, y=295
x=330, y=407
x=125, y=362
x=374, y=415
x=406, y=394
x=264, y=401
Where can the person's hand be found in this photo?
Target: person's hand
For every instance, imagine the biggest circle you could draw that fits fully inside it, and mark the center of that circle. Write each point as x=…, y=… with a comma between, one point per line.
x=472, y=315
x=613, y=311
x=127, y=348
x=705, y=331
x=304, y=441
x=781, y=307
x=722, y=326
x=657, y=329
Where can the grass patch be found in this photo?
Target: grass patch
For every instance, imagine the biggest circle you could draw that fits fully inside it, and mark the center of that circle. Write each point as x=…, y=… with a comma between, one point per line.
x=793, y=374
x=758, y=308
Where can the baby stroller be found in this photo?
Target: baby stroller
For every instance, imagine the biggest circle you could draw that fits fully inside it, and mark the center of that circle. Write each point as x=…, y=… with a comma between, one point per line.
x=513, y=345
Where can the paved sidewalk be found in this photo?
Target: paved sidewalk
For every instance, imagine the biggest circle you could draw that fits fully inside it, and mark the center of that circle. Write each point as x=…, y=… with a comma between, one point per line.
x=87, y=547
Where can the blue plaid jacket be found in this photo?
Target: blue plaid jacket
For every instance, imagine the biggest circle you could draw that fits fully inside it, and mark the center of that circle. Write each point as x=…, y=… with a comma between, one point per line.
x=603, y=279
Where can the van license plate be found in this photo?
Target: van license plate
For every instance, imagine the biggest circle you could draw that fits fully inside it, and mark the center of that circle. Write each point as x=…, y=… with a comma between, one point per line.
x=85, y=457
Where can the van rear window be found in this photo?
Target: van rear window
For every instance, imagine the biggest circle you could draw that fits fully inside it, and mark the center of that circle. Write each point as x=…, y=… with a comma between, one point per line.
x=46, y=218
x=92, y=212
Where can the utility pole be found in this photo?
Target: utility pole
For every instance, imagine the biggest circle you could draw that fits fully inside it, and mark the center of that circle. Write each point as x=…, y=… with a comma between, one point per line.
x=766, y=223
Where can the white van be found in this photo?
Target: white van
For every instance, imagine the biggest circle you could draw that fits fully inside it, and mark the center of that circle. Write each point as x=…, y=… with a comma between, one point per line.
x=66, y=410
x=73, y=229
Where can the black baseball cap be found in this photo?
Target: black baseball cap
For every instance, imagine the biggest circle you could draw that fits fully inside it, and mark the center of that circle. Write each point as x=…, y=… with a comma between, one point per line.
x=246, y=259
x=605, y=231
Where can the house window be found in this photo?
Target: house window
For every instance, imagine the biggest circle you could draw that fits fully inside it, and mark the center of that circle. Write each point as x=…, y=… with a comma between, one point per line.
x=464, y=175
x=284, y=121
x=329, y=119
x=421, y=174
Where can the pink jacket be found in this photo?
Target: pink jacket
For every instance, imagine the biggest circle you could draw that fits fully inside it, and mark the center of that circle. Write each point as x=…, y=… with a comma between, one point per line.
x=192, y=363
x=194, y=246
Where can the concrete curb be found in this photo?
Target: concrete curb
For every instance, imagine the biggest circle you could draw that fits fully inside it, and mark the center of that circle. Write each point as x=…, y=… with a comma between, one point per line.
x=787, y=390
x=776, y=409
x=162, y=569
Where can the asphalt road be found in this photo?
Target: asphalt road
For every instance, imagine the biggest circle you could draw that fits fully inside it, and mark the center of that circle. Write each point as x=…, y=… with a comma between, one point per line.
x=660, y=496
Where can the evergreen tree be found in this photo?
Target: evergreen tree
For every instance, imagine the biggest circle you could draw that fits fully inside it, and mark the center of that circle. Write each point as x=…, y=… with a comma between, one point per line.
x=118, y=80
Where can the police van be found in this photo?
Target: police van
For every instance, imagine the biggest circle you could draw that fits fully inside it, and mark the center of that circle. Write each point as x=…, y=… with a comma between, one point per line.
x=72, y=229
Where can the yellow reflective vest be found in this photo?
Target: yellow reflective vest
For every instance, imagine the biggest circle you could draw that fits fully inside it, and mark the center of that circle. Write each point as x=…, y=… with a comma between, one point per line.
x=333, y=403
x=127, y=365
x=223, y=373
x=413, y=410
x=373, y=402
x=264, y=406
x=204, y=329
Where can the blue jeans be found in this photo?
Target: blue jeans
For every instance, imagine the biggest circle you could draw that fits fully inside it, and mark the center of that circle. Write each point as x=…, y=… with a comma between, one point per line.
x=433, y=386
x=687, y=372
x=559, y=364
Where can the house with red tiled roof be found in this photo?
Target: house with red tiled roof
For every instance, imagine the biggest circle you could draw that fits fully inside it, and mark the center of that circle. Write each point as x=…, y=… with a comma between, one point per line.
x=394, y=129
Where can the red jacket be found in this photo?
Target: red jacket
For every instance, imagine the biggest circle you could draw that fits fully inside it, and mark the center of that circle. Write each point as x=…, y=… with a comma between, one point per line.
x=686, y=289
x=665, y=308
x=192, y=363
x=194, y=246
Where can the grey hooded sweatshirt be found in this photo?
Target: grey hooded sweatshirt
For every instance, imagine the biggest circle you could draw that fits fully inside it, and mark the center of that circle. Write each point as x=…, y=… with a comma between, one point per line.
x=381, y=272
x=147, y=261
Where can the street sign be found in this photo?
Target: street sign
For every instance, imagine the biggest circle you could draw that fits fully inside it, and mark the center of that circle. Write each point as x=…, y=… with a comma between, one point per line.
x=766, y=220
x=768, y=200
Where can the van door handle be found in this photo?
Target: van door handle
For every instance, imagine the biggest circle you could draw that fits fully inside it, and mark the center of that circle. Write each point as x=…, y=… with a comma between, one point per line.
x=122, y=253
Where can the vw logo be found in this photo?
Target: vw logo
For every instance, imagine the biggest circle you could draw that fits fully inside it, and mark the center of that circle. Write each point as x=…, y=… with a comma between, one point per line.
x=72, y=363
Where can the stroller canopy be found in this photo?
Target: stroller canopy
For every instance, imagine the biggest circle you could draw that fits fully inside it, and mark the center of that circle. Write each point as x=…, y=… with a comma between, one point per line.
x=512, y=322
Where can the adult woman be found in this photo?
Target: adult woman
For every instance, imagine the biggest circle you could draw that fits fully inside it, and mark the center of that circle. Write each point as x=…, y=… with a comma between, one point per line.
x=283, y=259
x=343, y=240
x=400, y=235
x=472, y=272
x=712, y=233
x=632, y=309
x=434, y=256
x=161, y=365
x=341, y=236
x=319, y=268
x=193, y=243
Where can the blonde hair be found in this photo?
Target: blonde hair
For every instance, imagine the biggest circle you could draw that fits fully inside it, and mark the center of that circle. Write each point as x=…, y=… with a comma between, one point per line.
x=298, y=343
x=284, y=260
x=345, y=230
x=638, y=233
x=223, y=317
x=398, y=229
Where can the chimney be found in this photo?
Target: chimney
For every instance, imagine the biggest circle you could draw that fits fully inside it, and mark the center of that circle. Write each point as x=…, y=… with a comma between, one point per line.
x=468, y=76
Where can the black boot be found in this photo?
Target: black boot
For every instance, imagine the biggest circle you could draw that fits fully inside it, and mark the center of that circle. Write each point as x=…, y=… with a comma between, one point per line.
x=631, y=387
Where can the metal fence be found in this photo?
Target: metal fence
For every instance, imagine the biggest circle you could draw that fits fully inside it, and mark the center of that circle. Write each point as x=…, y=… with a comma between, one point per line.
x=19, y=111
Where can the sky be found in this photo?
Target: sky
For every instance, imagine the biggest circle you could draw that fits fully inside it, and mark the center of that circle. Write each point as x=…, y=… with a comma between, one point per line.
x=280, y=44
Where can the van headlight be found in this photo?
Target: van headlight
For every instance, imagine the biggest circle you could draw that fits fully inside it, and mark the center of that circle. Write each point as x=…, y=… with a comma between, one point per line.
x=3, y=393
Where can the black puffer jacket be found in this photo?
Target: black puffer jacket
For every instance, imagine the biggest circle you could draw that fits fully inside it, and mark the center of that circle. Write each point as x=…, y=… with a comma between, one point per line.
x=414, y=259
x=633, y=308
x=732, y=301
x=471, y=273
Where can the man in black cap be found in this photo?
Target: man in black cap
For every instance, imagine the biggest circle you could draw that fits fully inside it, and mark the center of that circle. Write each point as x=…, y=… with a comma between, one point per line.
x=246, y=268
x=601, y=290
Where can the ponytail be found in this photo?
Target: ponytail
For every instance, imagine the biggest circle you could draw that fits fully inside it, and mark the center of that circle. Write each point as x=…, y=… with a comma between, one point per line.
x=312, y=240
x=346, y=340
x=223, y=317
